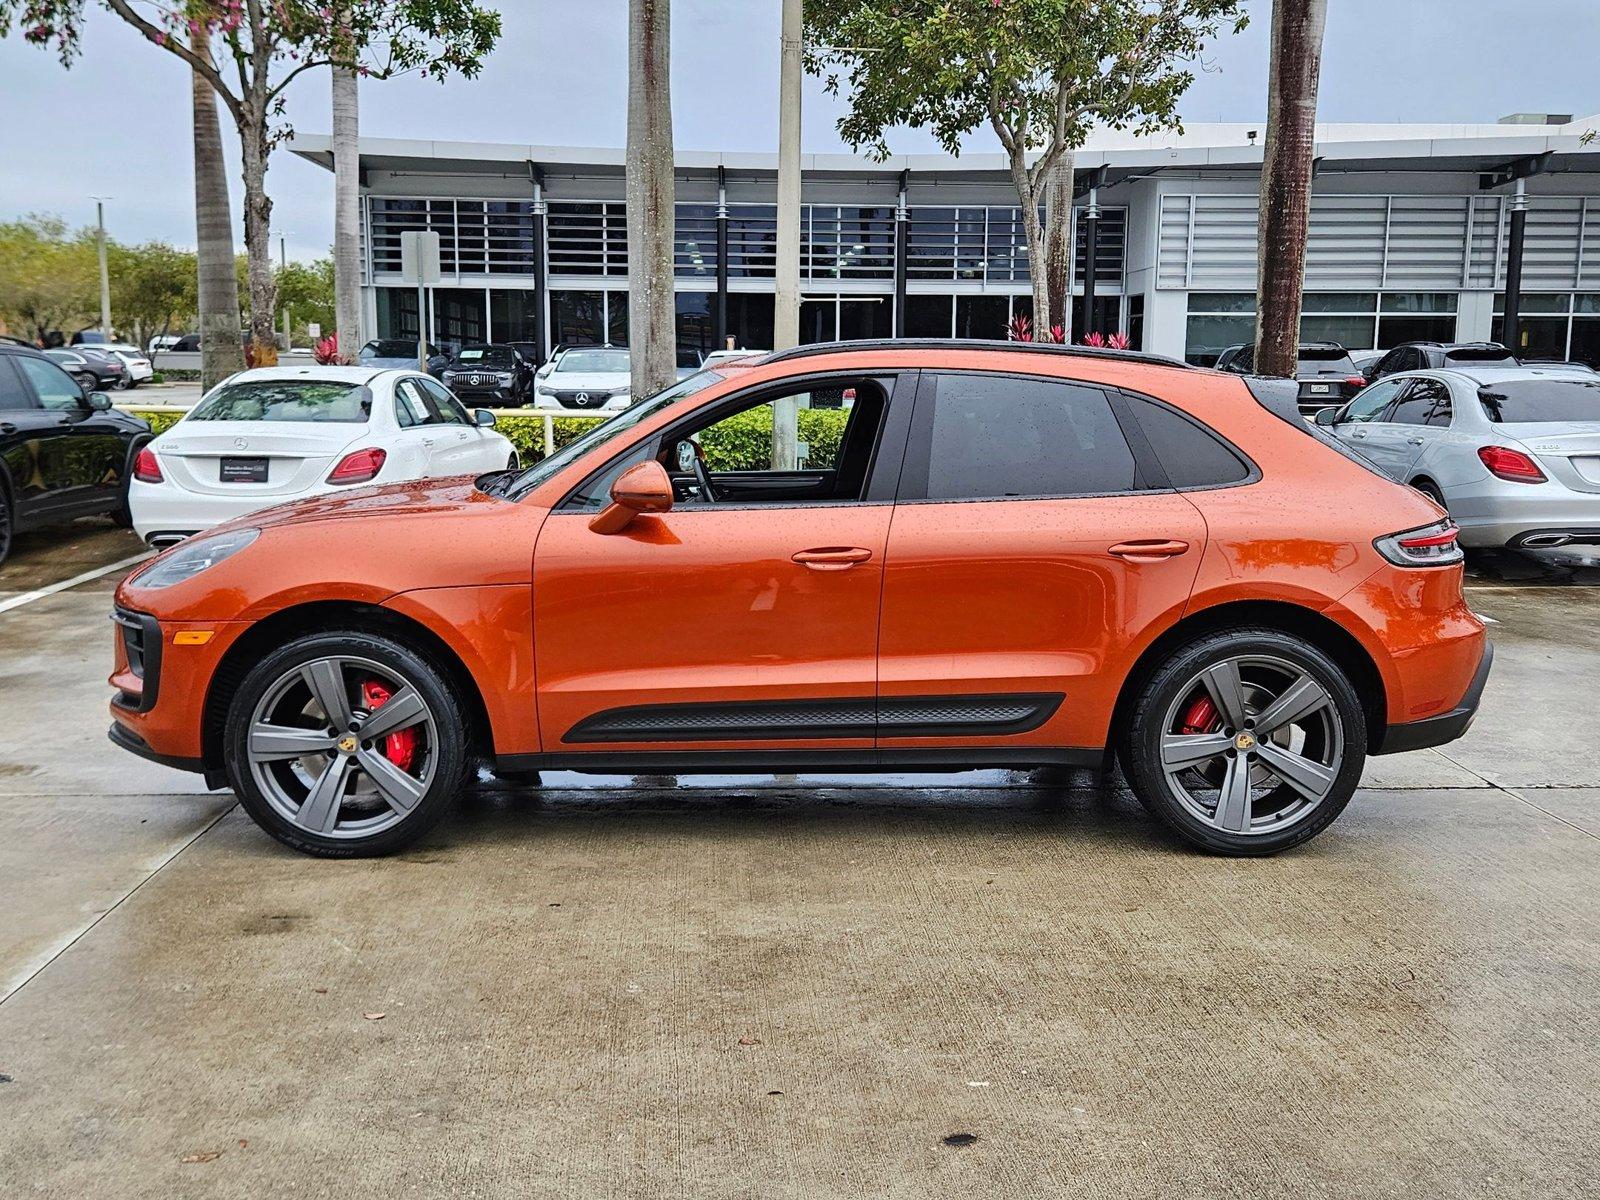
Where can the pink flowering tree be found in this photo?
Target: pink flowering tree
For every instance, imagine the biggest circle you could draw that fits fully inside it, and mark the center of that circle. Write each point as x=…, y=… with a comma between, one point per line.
x=249, y=51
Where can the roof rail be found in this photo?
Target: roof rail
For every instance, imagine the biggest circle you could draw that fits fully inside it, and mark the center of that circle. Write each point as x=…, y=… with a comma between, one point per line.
x=819, y=348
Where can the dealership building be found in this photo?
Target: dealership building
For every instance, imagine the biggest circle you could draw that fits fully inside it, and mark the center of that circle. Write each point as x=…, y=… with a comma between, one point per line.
x=1405, y=242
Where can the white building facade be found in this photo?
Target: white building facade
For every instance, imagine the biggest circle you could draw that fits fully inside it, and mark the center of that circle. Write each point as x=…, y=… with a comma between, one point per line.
x=1404, y=244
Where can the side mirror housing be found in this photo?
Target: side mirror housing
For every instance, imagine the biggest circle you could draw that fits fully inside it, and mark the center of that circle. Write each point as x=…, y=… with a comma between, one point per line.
x=643, y=488
x=1327, y=416
x=98, y=401
x=483, y=417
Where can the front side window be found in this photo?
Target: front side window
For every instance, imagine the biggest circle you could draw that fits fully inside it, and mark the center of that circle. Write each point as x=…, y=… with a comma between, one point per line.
x=13, y=395
x=322, y=401
x=449, y=410
x=1000, y=437
x=1369, y=405
x=55, y=388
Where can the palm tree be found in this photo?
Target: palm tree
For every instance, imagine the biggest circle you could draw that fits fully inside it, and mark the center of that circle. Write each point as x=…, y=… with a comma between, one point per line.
x=1286, y=181
x=651, y=305
x=346, y=213
x=221, y=346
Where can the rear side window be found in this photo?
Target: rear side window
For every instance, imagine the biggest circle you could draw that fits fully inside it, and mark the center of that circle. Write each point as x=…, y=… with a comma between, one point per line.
x=999, y=437
x=12, y=394
x=1191, y=455
x=1426, y=402
x=1528, y=401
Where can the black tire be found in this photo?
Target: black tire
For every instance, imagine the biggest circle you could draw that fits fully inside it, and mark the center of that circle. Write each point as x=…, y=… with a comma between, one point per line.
x=1432, y=492
x=445, y=704
x=122, y=514
x=1139, y=746
x=514, y=463
x=6, y=524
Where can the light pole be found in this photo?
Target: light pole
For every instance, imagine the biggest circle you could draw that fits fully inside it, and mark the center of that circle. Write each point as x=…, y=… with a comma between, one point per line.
x=105, y=275
x=283, y=264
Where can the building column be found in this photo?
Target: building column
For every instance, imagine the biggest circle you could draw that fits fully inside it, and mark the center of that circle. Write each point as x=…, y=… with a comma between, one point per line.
x=902, y=235
x=719, y=308
x=541, y=285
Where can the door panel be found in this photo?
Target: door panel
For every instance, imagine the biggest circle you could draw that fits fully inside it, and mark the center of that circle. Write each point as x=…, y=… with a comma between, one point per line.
x=707, y=606
x=1025, y=596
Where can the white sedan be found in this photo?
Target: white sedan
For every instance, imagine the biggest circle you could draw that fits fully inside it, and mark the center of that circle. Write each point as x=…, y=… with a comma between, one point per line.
x=585, y=379
x=277, y=434
x=138, y=363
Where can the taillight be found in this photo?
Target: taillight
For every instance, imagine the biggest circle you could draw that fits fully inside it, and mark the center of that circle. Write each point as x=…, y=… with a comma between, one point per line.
x=360, y=466
x=145, y=467
x=1433, y=545
x=1356, y=381
x=1509, y=464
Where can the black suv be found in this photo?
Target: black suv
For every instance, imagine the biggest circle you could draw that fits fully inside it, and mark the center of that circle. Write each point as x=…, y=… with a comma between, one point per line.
x=489, y=373
x=1326, y=373
x=64, y=451
x=1425, y=356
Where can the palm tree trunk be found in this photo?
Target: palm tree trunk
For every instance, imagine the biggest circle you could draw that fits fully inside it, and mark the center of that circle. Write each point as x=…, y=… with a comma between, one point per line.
x=1286, y=181
x=1058, y=250
x=221, y=349
x=346, y=214
x=651, y=304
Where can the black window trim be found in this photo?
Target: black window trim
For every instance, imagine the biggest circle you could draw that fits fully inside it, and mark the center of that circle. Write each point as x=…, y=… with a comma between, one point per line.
x=1253, y=473
x=1145, y=464
x=883, y=470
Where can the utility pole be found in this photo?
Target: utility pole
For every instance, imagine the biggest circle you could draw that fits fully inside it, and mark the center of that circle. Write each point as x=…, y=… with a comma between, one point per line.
x=105, y=274
x=1516, y=172
x=786, y=311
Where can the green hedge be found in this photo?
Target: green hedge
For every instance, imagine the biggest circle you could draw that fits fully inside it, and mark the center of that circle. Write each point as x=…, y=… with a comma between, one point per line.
x=739, y=443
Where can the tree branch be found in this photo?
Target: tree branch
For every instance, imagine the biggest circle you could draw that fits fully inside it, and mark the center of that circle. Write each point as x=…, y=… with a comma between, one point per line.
x=159, y=37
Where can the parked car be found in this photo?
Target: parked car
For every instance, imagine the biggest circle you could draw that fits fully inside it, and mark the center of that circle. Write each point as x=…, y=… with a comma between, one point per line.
x=99, y=371
x=139, y=368
x=399, y=353
x=489, y=373
x=1421, y=356
x=587, y=379
x=64, y=451
x=1512, y=453
x=89, y=337
x=163, y=341
x=1014, y=555
x=189, y=343
x=274, y=434
x=1324, y=370
x=718, y=357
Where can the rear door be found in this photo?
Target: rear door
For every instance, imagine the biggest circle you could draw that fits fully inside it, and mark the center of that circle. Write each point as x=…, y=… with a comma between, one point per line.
x=1031, y=547
x=1419, y=417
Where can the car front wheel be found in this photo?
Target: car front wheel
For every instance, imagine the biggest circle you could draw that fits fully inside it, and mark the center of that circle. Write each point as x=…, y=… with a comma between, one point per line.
x=343, y=744
x=1246, y=742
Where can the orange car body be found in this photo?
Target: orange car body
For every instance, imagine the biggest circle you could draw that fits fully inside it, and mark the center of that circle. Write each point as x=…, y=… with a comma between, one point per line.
x=555, y=625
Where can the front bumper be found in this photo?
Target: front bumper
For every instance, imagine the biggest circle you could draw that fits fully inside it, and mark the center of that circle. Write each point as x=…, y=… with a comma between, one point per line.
x=1446, y=727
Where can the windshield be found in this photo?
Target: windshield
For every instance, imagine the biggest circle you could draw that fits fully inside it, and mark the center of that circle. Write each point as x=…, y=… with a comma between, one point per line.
x=604, y=431
x=1527, y=401
x=286, y=400
x=593, y=360
x=486, y=356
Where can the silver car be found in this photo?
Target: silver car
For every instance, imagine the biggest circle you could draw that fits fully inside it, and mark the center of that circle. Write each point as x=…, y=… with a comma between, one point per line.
x=1512, y=452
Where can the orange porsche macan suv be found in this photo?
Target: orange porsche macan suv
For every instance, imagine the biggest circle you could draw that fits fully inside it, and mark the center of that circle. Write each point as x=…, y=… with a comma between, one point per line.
x=977, y=555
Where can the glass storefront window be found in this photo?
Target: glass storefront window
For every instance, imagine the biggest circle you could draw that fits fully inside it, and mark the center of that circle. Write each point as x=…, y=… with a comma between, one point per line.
x=1208, y=336
x=930, y=316
x=693, y=322
x=1351, y=332
x=750, y=320
x=397, y=313
x=1419, y=302
x=983, y=317
x=511, y=314
x=460, y=317
x=1538, y=336
x=1339, y=302
x=576, y=318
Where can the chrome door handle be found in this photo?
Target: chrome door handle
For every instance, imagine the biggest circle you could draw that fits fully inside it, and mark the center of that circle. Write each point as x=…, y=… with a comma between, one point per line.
x=7, y=427
x=1414, y=441
x=1358, y=433
x=1150, y=550
x=832, y=558
x=427, y=441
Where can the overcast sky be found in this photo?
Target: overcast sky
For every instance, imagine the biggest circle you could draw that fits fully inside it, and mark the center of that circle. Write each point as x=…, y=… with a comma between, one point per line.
x=118, y=124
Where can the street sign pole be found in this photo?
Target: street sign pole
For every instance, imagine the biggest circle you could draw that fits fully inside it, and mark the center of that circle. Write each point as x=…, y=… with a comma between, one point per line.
x=419, y=264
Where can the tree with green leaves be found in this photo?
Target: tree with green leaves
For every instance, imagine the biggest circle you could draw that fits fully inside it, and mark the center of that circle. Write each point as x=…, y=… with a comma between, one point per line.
x=152, y=289
x=252, y=50
x=1040, y=73
x=49, y=277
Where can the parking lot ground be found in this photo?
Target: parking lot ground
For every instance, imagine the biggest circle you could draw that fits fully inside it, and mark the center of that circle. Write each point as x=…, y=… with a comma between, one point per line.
x=994, y=984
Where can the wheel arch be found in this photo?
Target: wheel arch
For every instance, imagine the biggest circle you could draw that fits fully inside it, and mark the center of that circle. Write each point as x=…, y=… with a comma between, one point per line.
x=1321, y=631
x=286, y=624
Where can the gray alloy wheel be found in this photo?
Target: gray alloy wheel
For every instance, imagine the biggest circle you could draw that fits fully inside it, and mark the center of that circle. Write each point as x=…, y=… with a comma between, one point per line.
x=347, y=742
x=1246, y=741
x=1268, y=751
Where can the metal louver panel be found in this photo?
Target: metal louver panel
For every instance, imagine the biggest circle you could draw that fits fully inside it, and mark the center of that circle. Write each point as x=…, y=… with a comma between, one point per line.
x=1425, y=240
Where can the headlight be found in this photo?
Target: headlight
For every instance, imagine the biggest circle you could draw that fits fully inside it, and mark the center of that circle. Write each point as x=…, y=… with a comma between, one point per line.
x=544, y=391
x=621, y=391
x=505, y=379
x=448, y=376
x=192, y=557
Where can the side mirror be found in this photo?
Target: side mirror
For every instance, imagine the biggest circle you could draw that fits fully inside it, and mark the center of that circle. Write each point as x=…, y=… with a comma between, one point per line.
x=1327, y=416
x=483, y=417
x=643, y=488
x=99, y=401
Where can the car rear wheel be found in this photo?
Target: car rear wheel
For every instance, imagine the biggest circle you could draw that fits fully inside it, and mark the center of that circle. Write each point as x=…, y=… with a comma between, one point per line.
x=1246, y=742
x=345, y=744
x=5, y=525
x=1432, y=492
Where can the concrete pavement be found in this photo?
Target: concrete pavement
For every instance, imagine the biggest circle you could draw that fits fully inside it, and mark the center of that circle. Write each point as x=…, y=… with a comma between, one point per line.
x=747, y=988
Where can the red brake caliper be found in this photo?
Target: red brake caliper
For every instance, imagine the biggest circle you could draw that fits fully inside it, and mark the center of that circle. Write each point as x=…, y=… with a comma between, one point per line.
x=1201, y=717
x=399, y=748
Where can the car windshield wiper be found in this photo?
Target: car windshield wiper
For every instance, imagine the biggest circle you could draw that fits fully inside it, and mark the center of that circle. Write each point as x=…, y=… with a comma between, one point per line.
x=496, y=483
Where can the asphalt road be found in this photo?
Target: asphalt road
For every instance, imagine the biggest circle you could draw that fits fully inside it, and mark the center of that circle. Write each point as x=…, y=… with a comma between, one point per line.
x=989, y=984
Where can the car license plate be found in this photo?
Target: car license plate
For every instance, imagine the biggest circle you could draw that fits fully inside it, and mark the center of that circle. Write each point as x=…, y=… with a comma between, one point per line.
x=1320, y=389
x=244, y=470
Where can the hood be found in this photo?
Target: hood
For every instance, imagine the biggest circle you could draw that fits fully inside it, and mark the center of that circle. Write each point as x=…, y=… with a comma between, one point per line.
x=414, y=499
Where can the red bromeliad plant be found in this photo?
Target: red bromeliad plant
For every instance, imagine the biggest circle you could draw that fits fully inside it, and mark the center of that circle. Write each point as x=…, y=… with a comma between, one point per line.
x=1096, y=339
x=1020, y=329
x=249, y=51
x=326, y=352
x=1118, y=341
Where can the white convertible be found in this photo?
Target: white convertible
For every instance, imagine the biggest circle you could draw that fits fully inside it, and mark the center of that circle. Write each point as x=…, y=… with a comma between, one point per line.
x=276, y=434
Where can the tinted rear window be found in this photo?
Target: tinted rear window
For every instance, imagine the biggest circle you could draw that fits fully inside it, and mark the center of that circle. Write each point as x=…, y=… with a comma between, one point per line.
x=1479, y=354
x=1326, y=360
x=286, y=400
x=995, y=436
x=1191, y=455
x=1527, y=401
